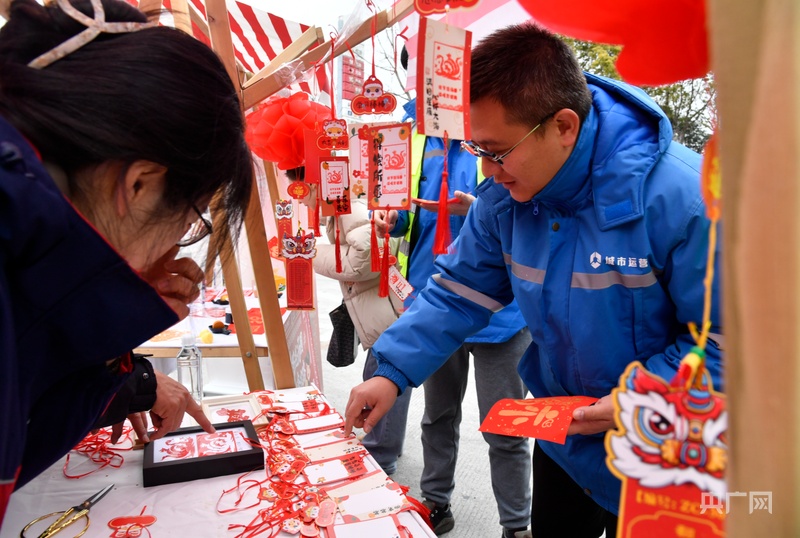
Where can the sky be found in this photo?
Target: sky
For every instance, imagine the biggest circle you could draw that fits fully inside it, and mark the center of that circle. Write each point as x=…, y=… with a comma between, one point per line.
x=322, y=13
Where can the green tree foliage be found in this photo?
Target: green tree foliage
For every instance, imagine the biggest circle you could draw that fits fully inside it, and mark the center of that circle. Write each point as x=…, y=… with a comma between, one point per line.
x=689, y=104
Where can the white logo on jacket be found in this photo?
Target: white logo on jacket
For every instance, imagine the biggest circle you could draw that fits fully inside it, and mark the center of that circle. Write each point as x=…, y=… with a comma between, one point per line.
x=596, y=260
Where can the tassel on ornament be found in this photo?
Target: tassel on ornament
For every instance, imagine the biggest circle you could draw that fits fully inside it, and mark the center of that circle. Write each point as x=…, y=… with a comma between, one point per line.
x=442, y=239
x=338, y=251
x=383, y=288
x=374, y=251
x=313, y=218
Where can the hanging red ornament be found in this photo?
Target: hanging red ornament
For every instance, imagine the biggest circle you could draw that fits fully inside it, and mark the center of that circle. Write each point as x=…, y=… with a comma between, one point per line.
x=443, y=237
x=383, y=283
x=663, y=41
x=375, y=262
x=275, y=131
x=338, y=246
x=298, y=190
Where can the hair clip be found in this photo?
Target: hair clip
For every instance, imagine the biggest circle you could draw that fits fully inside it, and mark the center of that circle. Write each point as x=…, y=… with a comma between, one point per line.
x=94, y=26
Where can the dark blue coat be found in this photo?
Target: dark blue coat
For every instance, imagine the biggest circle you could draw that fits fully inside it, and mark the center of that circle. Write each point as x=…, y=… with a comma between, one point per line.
x=68, y=305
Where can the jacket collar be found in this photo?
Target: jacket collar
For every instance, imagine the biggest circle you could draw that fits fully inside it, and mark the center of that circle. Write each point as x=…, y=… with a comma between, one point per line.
x=621, y=140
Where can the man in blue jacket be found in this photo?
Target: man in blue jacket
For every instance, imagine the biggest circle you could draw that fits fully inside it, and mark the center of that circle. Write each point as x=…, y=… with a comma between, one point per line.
x=496, y=351
x=595, y=223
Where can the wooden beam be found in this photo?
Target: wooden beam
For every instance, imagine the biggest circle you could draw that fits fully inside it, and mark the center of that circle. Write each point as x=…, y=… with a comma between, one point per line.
x=755, y=62
x=267, y=86
x=244, y=334
x=197, y=18
x=267, y=292
x=148, y=6
x=310, y=37
x=5, y=8
x=208, y=351
x=219, y=28
x=180, y=14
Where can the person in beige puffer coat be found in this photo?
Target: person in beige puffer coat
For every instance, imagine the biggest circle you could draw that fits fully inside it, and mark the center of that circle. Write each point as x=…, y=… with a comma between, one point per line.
x=370, y=313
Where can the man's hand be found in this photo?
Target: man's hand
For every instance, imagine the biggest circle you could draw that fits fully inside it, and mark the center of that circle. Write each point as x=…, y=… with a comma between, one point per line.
x=595, y=418
x=384, y=221
x=175, y=280
x=172, y=401
x=458, y=205
x=368, y=402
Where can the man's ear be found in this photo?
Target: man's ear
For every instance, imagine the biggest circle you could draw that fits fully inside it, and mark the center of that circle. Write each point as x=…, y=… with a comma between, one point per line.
x=141, y=188
x=569, y=125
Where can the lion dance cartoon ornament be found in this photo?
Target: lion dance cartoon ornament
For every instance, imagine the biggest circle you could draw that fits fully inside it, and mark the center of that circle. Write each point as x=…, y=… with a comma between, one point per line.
x=299, y=251
x=670, y=451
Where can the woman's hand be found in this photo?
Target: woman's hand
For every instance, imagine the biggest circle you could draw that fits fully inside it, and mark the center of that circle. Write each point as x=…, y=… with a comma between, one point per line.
x=176, y=280
x=172, y=401
x=384, y=220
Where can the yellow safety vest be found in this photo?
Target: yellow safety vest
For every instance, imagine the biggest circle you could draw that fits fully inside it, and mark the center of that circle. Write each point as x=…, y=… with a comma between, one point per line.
x=417, y=154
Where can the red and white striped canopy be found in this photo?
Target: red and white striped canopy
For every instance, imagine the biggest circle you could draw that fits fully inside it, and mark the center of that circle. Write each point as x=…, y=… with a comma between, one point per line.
x=258, y=37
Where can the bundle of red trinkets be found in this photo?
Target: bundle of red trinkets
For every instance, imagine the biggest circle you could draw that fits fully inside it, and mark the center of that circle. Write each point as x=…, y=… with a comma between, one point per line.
x=308, y=460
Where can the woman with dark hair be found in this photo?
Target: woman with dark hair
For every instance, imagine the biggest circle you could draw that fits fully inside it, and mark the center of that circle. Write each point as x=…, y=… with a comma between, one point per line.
x=116, y=136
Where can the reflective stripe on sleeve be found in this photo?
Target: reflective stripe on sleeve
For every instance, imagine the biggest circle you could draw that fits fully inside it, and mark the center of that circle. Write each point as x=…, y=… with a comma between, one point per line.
x=468, y=293
x=606, y=280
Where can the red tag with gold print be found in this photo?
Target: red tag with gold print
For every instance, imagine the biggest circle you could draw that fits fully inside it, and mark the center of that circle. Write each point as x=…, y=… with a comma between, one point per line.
x=299, y=250
x=547, y=419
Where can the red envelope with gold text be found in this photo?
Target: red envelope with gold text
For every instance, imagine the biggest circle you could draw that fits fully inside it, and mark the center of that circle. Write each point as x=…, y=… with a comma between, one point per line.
x=547, y=419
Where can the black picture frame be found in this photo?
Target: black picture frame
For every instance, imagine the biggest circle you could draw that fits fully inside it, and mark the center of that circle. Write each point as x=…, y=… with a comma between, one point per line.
x=248, y=457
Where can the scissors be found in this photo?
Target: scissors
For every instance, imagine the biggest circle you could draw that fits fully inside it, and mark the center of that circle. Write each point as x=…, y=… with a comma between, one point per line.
x=69, y=516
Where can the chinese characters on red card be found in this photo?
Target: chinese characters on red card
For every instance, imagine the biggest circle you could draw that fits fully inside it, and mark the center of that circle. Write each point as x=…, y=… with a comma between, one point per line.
x=547, y=419
x=389, y=165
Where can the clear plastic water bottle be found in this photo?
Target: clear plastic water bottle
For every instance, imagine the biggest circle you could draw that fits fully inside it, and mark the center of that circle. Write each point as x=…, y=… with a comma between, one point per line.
x=190, y=368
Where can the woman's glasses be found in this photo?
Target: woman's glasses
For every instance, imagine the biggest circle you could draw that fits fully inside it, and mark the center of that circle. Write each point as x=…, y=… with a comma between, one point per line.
x=198, y=231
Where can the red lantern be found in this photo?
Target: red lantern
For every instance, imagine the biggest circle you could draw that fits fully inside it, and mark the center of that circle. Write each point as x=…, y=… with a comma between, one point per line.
x=663, y=41
x=275, y=130
x=298, y=190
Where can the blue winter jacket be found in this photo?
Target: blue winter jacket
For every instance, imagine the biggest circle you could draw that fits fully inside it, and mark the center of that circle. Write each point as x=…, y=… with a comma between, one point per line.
x=462, y=175
x=606, y=263
x=69, y=304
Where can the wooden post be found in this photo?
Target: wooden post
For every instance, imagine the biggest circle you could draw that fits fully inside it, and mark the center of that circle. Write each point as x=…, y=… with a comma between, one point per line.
x=180, y=14
x=755, y=54
x=219, y=29
x=244, y=334
x=267, y=293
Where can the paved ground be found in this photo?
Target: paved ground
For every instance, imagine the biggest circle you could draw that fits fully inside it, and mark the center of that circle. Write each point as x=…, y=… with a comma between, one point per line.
x=473, y=503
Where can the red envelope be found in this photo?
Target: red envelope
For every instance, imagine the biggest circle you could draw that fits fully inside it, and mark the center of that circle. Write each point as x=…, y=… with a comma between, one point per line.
x=547, y=419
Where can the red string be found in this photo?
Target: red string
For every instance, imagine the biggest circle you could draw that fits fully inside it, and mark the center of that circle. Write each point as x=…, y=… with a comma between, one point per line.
x=97, y=447
x=237, y=488
x=383, y=287
x=374, y=251
x=442, y=239
x=402, y=35
x=333, y=56
x=338, y=246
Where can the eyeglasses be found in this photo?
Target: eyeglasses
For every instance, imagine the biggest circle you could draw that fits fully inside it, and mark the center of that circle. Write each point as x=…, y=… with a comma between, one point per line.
x=478, y=151
x=198, y=231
